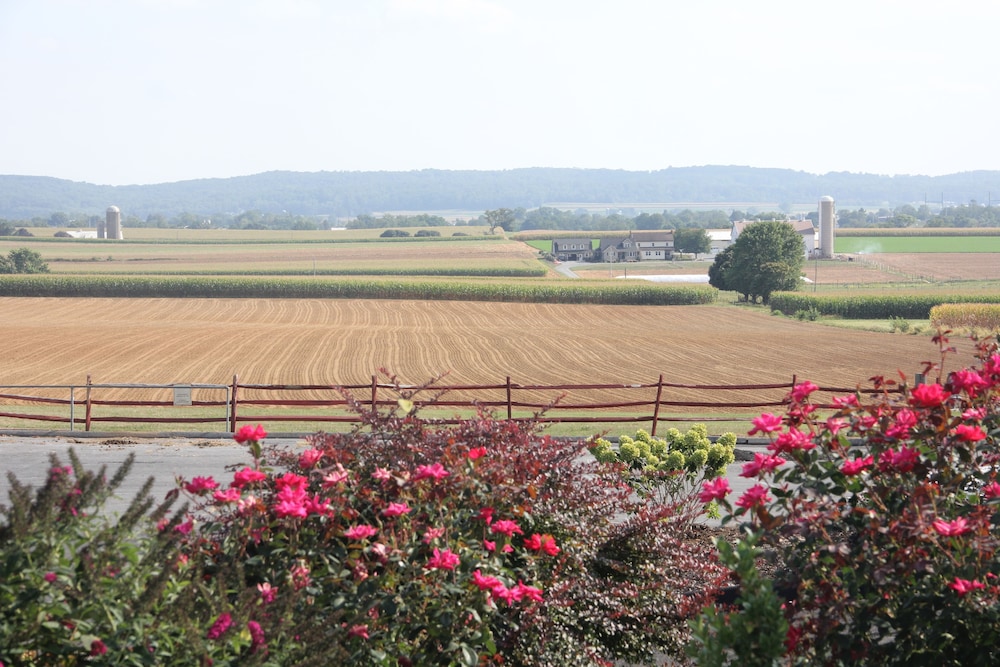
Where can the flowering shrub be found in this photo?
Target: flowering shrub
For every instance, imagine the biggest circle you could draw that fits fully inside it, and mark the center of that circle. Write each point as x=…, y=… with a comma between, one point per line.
x=886, y=513
x=666, y=469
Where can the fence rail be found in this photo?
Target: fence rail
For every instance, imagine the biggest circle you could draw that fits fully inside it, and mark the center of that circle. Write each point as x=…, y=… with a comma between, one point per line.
x=228, y=406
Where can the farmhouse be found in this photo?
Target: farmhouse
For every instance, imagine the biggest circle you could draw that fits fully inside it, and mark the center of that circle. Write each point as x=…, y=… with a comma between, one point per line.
x=803, y=227
x=639, y=246
x=573, y=250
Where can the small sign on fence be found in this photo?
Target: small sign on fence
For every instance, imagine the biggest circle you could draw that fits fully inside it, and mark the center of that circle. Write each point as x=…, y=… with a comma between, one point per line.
x=182, y=395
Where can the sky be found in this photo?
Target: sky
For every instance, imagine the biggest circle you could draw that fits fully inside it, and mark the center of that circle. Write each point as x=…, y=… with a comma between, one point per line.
x=156, y=91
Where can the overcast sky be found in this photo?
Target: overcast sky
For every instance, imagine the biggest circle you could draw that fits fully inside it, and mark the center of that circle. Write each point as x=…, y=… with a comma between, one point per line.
x=153, y=91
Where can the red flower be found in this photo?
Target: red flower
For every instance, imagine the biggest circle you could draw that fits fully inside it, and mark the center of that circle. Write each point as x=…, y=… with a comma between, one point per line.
x=906, y=419
x=716, y=489
x=522, y=591
x=928, y=396
x=963, y=586
x=360, y=532
x=506, y=527
x=755, y=495
x=222, y=623
x=801, y=391
x=765, y=423
x=97, y=647
x=967, y=380
x=848, y=401
x=486, y=514
x=247, y=476
x=857, y=466
x=900, y=461
x=435, y=472
x=761, y=462
x=360, y=631
x=396, y=509
x=200, y=485
x=992, y=490
x=309, y=458
x=791, y=440
x=968, y=433
x=50, y=577
x=952, y=528
x=257, y=639
x=248, y=432
x=545, y=543
x=477, y=452
x=443, y=560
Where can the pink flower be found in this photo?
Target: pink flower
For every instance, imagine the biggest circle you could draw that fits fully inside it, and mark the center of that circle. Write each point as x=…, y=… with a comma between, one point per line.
x=316, y=504
x=432, y=534
x=360, y=631
x=267, y=592
x=545, y=543
x=765, y=423
x=257, y=638
x=380, y=474
x=791, y=440
x=360, y=532
x=992, y=490
x=968, y=433
x=396, y=509
x=801, y=391
x=435, y=471
x=755, y=495
x=856, y=466
x=906, y=419
x=228, y=496
x=97, y=647
x=184, y=528
x=952, y=528
x=486, y=514
x=50, y=577
x=761, y=463
x=291, y=481
x=291, y=508
x=248, y=432
x=506, y=527
x=530, y=592
x=300, y=576
x=222, y=623
x=902, y=460
x=835, y=424
x=969, y=381
x=443, y=560
x=848, y=401
x=928, y=395
x=716, y=489
x=247, y=476
x=200, y=485
x=310, y=458
x=477, y=452
x=489, y=545
x=485, y=582
x=336, y=476
x=963, y=586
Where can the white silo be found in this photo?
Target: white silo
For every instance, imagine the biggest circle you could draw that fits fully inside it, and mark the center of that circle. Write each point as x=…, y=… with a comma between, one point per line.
x=827, y=221
x=113, y=223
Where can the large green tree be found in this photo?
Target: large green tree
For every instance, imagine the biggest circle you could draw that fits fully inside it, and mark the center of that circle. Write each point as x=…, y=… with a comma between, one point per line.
x=23, y=260
x=500, y=217
x=692, y=239
x=767, y=257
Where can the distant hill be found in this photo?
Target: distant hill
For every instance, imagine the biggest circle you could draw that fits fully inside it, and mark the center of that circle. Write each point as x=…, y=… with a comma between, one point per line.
x=340, y=194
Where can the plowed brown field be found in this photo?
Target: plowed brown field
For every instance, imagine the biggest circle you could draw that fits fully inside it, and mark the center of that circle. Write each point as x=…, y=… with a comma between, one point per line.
x=61, y=341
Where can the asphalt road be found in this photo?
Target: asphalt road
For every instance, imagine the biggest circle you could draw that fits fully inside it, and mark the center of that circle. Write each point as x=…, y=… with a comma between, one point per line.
x=163, y=458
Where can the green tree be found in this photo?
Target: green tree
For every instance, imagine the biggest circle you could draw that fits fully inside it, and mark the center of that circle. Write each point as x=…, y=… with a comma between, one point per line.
x=767, y=257
x=23, y=260
x=692, y=239
x=717, y=272
x=500, y=217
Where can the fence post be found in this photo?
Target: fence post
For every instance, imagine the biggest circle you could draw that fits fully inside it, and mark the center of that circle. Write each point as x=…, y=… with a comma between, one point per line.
x=510, y=408
x=86, y=420
x=656, y=408
x=232, y=405
x=374, y=394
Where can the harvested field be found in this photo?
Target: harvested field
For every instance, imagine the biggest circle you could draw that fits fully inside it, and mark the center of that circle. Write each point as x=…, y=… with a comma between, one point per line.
x=61, y=341
x=937, y=266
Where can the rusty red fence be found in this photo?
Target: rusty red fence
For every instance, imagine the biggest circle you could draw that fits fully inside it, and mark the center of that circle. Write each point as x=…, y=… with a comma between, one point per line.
x=241, y=403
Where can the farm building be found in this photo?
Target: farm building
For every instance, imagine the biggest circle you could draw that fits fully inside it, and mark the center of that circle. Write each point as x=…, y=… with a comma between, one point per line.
x=639, y=246
x=803, y=227
x=573, y=250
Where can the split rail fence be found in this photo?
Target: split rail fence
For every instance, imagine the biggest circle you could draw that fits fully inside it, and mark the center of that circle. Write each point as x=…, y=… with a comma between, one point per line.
x=224, y=407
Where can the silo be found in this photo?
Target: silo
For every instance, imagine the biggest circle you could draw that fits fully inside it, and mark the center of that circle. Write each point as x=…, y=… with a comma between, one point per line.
x=102, y=229
x=827, y=221
x=113, y=223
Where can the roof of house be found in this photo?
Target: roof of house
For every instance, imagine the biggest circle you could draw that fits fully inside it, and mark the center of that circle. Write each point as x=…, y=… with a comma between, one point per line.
x=801, y=226
x=653, y=235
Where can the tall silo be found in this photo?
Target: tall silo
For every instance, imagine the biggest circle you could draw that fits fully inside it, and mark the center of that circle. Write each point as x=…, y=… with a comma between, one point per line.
x=827, y=221
x=113, y=223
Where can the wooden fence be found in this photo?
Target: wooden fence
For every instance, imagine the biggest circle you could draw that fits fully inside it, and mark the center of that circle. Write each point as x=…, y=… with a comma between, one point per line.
x=228, y=406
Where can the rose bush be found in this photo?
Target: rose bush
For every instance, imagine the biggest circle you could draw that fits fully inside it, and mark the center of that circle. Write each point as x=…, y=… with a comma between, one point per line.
x=886, y=514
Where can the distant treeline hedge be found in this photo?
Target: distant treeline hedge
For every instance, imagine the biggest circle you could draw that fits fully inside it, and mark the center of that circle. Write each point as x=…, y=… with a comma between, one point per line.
x=611, y=293
x=871, y=306
x=918, y=231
